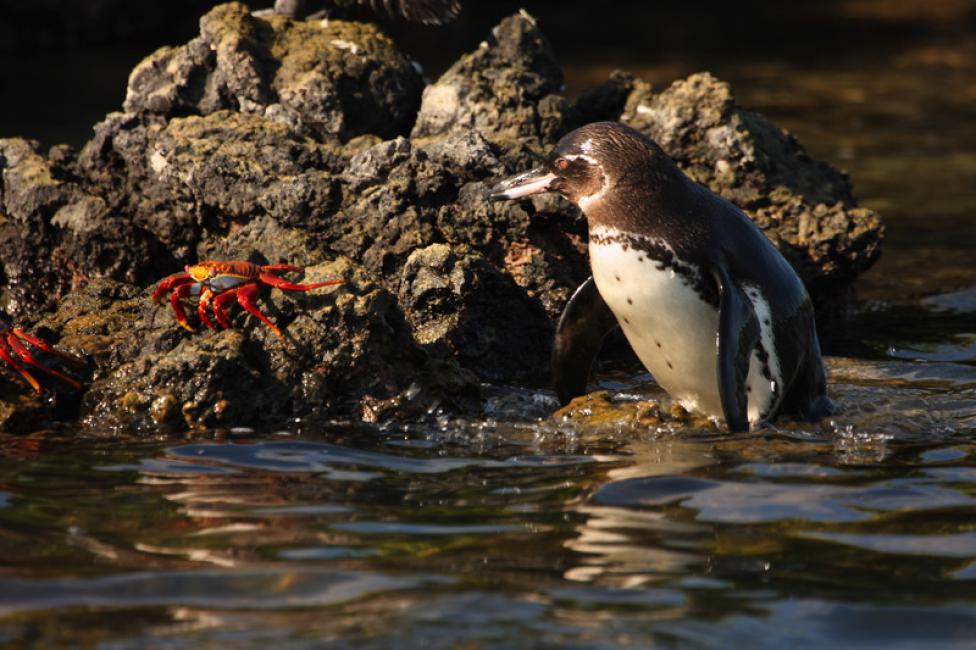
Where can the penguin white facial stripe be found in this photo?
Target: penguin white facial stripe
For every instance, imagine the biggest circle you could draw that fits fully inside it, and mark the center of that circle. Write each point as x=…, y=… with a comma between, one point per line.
x=581, y=156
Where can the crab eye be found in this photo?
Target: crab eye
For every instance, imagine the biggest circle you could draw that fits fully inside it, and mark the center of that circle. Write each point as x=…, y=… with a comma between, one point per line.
x=562, y=164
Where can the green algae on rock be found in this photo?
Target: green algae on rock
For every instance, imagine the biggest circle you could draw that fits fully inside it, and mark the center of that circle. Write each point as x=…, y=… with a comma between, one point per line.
x=600, y=411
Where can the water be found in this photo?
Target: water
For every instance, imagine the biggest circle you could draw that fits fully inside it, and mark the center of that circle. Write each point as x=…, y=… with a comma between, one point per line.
x=854, y=532
x=524, y=531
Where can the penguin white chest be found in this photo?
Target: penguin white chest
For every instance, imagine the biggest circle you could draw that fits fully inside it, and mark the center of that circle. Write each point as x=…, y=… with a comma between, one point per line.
x=671, y=328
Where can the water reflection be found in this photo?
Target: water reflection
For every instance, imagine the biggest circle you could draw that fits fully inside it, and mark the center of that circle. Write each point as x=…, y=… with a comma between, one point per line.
x=498, y=533
x=248, y=589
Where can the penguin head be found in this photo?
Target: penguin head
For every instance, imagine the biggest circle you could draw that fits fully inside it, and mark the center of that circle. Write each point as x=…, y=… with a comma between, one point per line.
x=585, y=165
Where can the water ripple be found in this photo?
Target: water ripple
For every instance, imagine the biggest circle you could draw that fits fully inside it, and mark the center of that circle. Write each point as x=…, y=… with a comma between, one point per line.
x=735, y=502
x=958, y=545
x=220, y=589
x=321, y=457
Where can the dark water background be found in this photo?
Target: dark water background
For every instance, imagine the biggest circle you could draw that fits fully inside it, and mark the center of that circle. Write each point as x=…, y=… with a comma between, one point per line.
x=521, y=531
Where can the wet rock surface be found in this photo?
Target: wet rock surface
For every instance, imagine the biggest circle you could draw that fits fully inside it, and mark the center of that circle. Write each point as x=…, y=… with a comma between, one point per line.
x=606, y=412
x=273, y=140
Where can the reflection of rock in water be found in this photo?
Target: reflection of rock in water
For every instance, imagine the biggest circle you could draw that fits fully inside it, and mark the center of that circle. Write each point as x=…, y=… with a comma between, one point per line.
x=620, y=547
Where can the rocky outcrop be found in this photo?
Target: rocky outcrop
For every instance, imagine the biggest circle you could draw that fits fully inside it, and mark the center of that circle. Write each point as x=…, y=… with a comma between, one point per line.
x=55, y=233
x=398, y=198
x=347, y=353
x=507, y=90
x=452, y=296
x=328, y=79
x=273, y=140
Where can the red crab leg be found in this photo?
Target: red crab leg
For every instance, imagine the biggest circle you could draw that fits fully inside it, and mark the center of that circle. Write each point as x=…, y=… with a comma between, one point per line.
x=285, y=285
x=28, y=358
x=170, y=283
x=245, y=297
x=220, y=304
x=38, y=343
x=203, y=306
x=287, y=268
x=5, y=355
x=181, y=291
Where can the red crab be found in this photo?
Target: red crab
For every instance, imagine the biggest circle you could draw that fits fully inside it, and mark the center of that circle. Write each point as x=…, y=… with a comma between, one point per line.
x=218, y=283
x=18, y=349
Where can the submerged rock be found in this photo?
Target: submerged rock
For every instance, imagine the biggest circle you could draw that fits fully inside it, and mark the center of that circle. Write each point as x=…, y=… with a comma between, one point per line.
x=601, y=411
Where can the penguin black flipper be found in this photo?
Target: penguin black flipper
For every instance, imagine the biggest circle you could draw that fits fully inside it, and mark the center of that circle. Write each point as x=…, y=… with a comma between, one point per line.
x=738, y=334
x=583, y=325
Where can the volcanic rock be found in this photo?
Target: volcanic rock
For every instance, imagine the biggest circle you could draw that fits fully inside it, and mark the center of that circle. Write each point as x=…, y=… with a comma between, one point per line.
x=507, y=90
x=330, y=79
x=347, y=352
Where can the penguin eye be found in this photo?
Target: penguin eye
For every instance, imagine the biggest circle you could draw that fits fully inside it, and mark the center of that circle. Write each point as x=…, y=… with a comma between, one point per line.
x=562, y=164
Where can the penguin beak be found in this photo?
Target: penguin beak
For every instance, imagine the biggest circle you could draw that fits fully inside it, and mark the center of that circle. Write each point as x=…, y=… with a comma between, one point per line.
x=534, y=181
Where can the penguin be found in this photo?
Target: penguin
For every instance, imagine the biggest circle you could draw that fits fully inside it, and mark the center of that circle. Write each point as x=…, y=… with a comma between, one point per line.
x=711, y=308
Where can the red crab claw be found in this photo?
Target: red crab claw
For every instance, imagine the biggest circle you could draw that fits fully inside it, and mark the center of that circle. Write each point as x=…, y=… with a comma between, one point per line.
x=5, y=355
x=205, y=298
x=245, y=297
x=27, y=357
x=270, y=278
x=170, y=283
